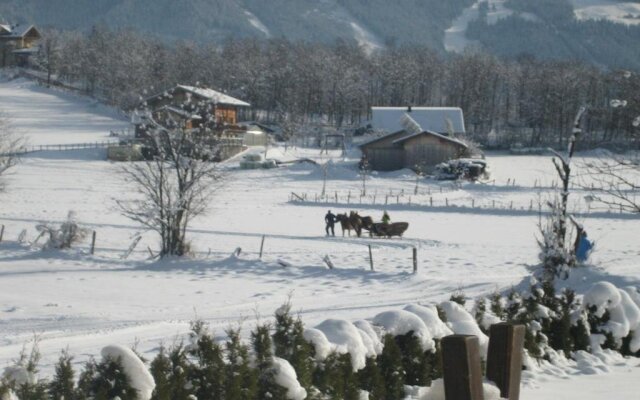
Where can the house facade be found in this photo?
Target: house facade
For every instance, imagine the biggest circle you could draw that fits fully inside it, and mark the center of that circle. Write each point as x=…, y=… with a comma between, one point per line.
x=18, y=44
x=405, y=150
x=177, y=107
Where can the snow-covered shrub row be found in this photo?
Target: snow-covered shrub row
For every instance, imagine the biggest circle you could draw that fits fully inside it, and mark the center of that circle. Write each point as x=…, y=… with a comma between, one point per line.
x=387, y=357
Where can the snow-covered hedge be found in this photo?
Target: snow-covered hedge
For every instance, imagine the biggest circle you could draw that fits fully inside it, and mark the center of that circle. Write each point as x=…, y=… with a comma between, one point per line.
x=389, y=356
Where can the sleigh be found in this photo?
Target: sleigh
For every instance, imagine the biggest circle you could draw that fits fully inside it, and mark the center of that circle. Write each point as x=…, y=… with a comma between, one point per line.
x=389, y=230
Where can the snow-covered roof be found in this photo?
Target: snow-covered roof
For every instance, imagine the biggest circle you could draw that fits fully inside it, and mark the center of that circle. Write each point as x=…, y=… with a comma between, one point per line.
x=16, y=31
x=439, y=136
x=215, y=96
x=433, y=119
x=400, y=134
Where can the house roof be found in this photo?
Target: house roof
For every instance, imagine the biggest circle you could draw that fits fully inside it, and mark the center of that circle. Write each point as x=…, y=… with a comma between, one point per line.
x=16, y=31
x=215, y=96
x=401, y=133
x=439, y=136
x=433, y=119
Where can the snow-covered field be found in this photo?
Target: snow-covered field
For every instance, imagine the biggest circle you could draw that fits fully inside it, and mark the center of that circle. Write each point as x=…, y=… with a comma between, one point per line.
x=86, y=302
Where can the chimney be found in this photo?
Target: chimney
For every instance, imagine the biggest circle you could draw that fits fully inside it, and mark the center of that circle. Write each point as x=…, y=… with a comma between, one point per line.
x=408, y=108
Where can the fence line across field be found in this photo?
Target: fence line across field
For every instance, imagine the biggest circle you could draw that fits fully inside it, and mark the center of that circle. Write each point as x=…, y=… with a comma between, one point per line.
x=61, y=147
x=428, y=200
x=364, y=249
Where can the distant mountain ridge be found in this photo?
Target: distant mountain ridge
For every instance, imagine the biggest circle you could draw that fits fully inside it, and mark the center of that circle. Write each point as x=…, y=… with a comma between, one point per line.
x=548, y=29
x=370, y=22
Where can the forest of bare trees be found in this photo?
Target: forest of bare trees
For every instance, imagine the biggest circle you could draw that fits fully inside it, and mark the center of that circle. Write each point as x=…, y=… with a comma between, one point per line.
x=525, y=100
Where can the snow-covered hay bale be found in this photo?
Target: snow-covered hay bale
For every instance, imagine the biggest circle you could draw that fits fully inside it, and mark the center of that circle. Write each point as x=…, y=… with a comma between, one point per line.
x=400, y=322
x=139, y=377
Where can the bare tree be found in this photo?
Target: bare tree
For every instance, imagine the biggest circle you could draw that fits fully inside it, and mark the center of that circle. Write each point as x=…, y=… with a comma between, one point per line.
x=557, y=255
x=175, y=184
x=614, y=181
x=10, y=147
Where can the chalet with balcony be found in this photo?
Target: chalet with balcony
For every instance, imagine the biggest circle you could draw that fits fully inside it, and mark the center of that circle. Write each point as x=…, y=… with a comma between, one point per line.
x=18, y=44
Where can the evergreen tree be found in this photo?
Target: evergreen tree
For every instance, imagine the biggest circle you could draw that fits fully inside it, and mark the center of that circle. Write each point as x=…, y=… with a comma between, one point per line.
x=208, y=374
x=34, y=388
x=371, y=380
x=262, y=348
x=392, y=369
x=497, y=307
x=241, y=380
x=86, y=378
x=480, y=310
x=62, y=387
x=160, y=369
x=290, y=344
x=336, y=379
x=111, y=381
x=415, y=362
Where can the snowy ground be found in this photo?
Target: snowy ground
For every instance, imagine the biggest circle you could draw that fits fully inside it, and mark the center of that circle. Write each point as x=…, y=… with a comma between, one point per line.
x=85, y=302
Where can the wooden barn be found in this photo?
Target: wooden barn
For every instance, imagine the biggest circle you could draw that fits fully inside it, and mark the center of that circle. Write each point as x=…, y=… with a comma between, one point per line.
x=405, y=150
x=18, y=44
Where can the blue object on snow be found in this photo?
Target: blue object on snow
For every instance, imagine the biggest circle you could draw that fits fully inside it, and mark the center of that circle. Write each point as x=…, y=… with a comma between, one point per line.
x=584, y=248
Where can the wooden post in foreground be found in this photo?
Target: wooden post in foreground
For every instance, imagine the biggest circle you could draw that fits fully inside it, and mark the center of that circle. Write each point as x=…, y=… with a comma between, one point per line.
x=504, y=359
x=415, y=260
x=93, y=242
x=371, y=258
x=461, y=368
x=1, y=232
x=261, y=246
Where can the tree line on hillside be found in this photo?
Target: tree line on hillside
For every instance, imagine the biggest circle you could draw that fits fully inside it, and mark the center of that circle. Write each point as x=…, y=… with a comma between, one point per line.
x=527, y=100
x=552, y=32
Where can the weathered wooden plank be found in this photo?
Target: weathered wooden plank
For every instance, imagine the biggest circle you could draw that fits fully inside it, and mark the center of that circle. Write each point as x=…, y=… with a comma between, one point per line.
x=504, y=359
x=461, y=368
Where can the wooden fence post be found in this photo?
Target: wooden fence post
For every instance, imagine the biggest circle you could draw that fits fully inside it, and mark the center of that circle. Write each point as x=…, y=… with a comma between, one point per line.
x=93, y=242
x=1, y=233
x=261, y=246
x=504, y=359
x=415, y=260
x=371, y=258
x=461, y=368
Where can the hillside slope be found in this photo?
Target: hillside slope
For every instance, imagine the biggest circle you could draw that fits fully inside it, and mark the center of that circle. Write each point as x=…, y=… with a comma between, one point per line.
x=372, y=22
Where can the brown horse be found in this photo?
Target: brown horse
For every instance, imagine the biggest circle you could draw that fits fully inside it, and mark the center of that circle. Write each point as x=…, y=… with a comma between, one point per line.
x=345, y=223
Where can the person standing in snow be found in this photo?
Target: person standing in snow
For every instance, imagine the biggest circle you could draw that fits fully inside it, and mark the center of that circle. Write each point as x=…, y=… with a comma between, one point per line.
x=583, y=247
x=385, y=218
x=330, y=221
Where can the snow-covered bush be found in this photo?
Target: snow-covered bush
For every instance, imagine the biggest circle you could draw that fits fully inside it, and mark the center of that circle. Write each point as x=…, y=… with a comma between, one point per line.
x=64, y=235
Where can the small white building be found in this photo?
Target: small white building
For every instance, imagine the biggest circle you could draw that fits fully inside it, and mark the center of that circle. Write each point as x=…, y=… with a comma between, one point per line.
x=447, y=121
